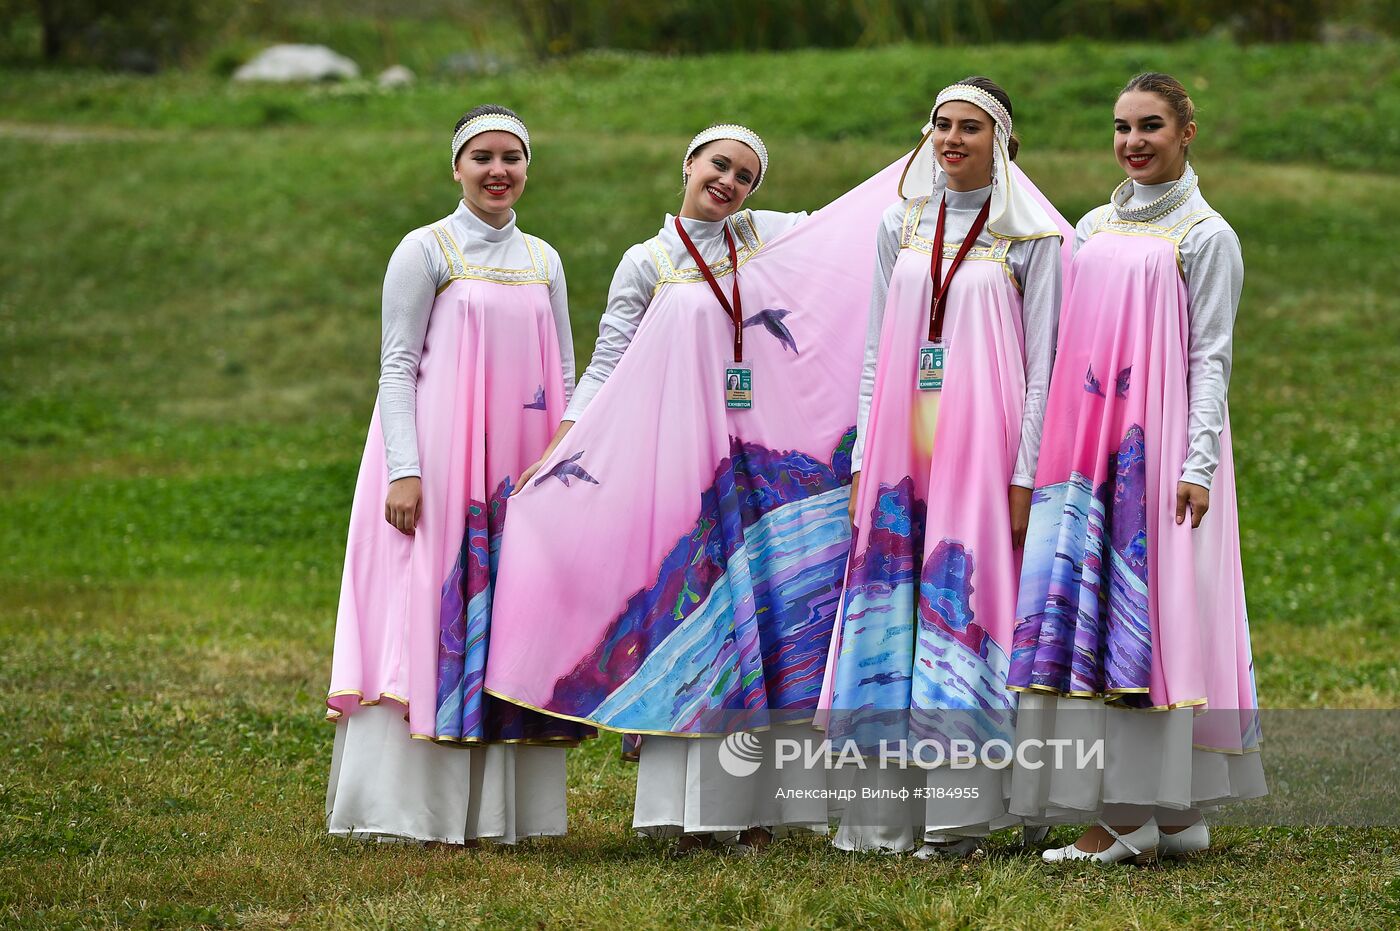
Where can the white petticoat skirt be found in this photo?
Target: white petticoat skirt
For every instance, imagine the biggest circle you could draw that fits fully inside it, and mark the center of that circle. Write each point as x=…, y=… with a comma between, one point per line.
x=956, y=803
x=387, y=786
x=682, y=789
x=1149, y=759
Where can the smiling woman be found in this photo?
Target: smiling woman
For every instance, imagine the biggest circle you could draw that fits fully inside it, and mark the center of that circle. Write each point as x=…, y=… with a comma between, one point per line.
x=718, y=174
x=677, y=281
x=958, y=352
x=1131, y=627
x=1154, y=122
x=673, y=568
x=490, y=167
x=415, y=604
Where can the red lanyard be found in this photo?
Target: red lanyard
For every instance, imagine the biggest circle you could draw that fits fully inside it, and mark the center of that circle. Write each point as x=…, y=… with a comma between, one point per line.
x=940, y=290
x=734, y=310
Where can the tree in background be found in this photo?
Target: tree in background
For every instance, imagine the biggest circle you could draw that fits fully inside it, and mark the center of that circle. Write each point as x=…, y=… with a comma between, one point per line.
x=561, y=27
x=145, y=35
x=133, y=35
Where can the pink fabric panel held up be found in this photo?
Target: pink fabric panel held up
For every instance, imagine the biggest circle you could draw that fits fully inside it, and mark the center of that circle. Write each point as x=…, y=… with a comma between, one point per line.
x=675, y=559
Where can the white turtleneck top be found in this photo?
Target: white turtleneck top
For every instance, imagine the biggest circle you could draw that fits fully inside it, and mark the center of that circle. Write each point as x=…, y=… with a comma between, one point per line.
x=1037, y=266
x=1213, y=266
x=417, y=269
x=635, y=281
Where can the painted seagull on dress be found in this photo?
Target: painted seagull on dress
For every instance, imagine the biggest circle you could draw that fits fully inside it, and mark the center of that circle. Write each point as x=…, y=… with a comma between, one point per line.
x=772, y=320
x=567, y=469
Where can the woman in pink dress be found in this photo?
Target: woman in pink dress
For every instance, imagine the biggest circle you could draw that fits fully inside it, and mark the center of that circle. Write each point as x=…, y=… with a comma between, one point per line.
x=957, y=362
x=1131, y=633
x=674, y=564
x=476, y=369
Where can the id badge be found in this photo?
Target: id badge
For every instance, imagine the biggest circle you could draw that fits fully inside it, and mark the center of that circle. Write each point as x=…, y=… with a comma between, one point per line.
x=738, y=387
x=933, y=358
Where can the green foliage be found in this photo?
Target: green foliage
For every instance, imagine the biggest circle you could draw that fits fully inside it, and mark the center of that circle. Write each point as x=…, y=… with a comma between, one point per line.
x=563, y=27
x=426, y=35
x=219, y=35
x=130, y=35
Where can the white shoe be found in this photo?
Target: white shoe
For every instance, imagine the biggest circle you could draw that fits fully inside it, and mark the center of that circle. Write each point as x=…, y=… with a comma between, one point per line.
x=1140, y=846
x=1184, y=843
x=953, y=850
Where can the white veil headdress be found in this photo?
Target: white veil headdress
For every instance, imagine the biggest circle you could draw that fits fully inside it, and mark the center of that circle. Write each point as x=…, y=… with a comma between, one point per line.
x=1015, y=213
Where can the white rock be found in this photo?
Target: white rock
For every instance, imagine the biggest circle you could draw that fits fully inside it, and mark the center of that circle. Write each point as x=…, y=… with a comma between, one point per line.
x=395, y=76
x=283, y=63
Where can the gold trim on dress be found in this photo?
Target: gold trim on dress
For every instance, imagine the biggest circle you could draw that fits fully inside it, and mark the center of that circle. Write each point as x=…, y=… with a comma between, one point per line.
x=748, y=246
x=333, y=715
x=632, y=730
x=909, y=238
x=913, y=213
x=460, y=270
x=1110, y=697
x=1108, y=221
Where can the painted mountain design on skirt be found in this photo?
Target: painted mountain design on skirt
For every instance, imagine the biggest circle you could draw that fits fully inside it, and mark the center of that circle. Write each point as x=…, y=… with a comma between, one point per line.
x=737, y=623
x=1090, y=633
x=465, y=712
x=915, y=663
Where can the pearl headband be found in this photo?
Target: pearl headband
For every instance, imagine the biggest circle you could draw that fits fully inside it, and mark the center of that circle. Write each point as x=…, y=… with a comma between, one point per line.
x=485, y=124
x=976, y=96
x=729, y=131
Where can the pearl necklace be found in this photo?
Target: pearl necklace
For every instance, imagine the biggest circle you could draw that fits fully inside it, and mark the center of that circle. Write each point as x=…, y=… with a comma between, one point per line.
x=1176, y=195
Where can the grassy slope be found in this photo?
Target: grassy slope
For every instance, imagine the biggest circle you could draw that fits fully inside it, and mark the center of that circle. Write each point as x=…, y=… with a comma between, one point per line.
x=1334, y=105
x=188, y=310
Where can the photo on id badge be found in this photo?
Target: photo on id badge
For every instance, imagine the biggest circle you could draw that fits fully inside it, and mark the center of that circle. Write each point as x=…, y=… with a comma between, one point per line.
x=932, y=357
x=738, y=387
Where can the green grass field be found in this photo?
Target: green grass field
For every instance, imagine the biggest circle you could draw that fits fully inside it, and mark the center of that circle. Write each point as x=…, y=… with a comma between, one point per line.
x=189, y=323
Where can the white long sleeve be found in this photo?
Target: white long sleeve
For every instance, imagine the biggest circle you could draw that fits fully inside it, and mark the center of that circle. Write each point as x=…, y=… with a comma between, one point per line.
x=410, y=288
x=634, y=284
x=416, y=271
x=1038, y=265
x=1213, y=266
x=886, y=254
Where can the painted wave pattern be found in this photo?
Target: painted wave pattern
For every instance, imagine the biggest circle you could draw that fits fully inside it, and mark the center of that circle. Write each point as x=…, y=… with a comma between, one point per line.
x=915, y=663
x=464, y=711
x=735, y=629
x=1083, y=625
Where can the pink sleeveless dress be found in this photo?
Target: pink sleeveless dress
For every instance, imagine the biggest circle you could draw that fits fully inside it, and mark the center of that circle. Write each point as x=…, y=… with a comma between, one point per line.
x=415, y=611
x=1117, y=601
x=929, y=607
x=675, y=567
